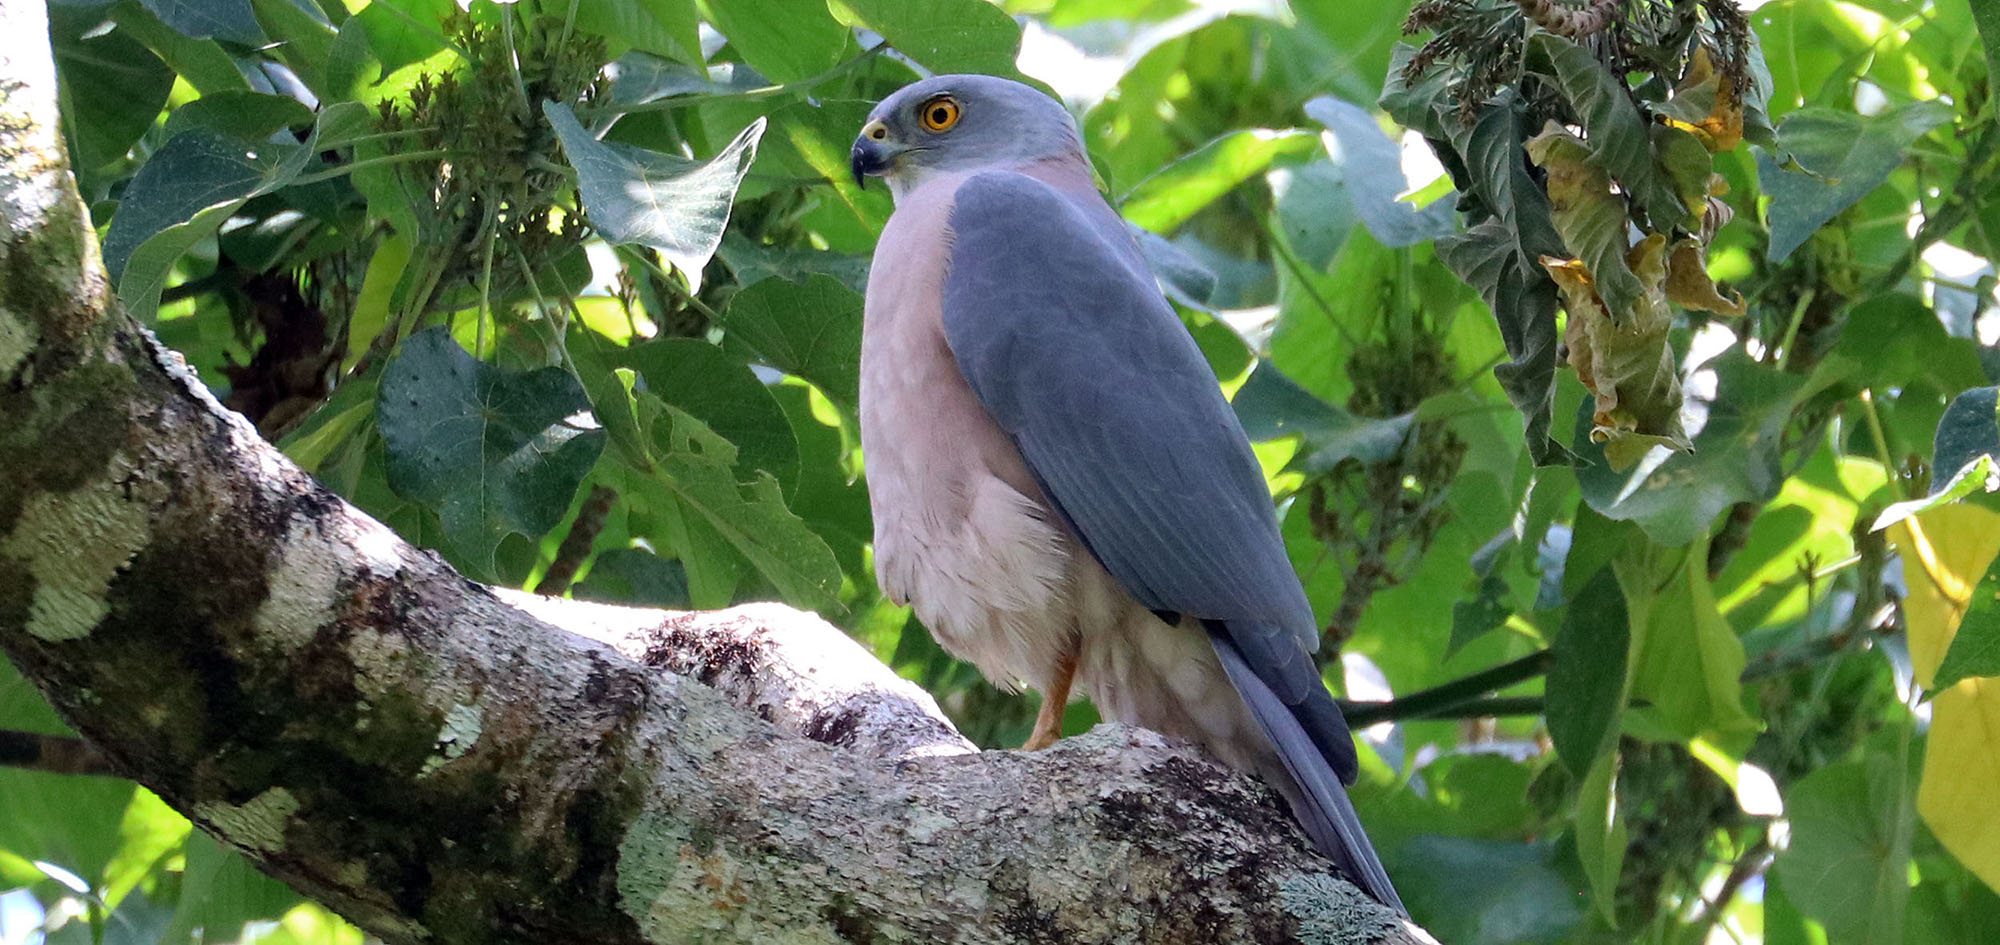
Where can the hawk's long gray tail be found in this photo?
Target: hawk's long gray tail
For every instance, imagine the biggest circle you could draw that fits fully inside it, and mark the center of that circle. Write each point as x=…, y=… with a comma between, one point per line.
x=1321, y=801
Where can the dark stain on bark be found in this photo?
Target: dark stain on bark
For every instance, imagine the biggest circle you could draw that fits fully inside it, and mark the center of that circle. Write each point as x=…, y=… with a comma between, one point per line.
x=59, y=438
x=1022, y=920
x=834, y=725
x=679, y=648
x=850, y=922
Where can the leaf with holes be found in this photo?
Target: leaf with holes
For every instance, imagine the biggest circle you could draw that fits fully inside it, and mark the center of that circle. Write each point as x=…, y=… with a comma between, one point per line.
x=493, y=451
x=669, y=203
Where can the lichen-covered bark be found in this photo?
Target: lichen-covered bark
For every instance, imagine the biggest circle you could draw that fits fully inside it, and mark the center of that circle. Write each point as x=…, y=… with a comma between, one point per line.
x=442, y=762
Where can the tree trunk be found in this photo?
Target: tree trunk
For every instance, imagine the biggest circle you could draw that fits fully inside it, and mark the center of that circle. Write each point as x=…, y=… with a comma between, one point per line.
x=443, y=761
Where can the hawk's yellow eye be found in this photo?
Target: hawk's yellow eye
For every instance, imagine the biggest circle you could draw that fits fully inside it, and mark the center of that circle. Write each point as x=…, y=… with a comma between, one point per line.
x=938, y=114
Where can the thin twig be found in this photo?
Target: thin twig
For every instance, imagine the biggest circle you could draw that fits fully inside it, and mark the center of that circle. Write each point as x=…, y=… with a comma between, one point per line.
x=576, y=545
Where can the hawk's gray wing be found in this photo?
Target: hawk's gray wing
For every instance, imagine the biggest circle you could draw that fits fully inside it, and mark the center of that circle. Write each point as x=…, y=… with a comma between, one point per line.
x=1064, y=337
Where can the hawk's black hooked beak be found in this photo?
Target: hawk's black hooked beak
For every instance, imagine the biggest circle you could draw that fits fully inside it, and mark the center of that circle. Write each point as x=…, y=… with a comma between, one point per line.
x=872, y=155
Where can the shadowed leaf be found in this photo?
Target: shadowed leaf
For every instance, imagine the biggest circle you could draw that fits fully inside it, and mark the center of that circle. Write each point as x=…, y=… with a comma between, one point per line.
x=493, y=451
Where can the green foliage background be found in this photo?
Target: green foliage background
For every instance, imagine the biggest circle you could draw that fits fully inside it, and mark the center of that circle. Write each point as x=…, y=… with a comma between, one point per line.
x=569, y=291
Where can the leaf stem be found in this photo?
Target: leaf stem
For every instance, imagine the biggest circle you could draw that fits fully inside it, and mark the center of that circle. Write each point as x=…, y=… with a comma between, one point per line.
x=1881, y=440
x=768, y=91
x=1437, y=701
x=406, y=157
x=1792, y=328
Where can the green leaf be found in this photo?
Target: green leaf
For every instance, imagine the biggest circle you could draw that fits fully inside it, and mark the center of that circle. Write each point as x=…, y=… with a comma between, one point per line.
x=1421, y=106
x=1979, y=476
x=1315, y=210
x=1486, y=611
x=1840, y=157
x=721, y=391
x=1969, y=430
x=1523, y=301
x=1373, y=170
x=112, y=87
x=636, y=577
x=22, y=708
x=1587, y=680
x=1182, y=277
x=1181, y=189
x=786, y=40
x=227, y=20
x=1735, y=457
x=1590, y=218
x=1847, y=864
x=493, y=451
x=182, y=194
x=249, y=116
x=1690, y=661
x=203, y=63
x=810, y=331
x=941, y=35
x=402, y=32
x=667, y=28
x=68, y=821
x=750, y=517
x=1271, y=405
x=221, y=893
x=1975, y=649
x=1496, y=163
x=303, y=39
x=1472, y=891
x=669, y=203
x=332, y=422
x=1987, y=16
x=1615, y=130
x=1601, y=834
x=149, y=833
x=1968, y=439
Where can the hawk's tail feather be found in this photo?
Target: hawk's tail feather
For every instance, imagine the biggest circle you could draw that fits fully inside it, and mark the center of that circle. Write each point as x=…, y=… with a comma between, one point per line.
x=1321, y=803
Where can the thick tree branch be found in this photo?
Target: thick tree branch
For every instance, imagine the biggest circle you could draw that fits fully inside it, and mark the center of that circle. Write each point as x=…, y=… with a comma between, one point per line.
x=442, y=762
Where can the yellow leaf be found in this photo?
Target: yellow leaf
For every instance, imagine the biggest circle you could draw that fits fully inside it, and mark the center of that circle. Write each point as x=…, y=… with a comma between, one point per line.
x=1946, y=552
x=1628, y=364
x=1705, y=105
x=1689, y=286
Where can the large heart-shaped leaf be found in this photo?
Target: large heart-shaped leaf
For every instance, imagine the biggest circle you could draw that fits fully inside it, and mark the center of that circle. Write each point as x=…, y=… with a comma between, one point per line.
x=786, y=40
x=182, y=194
x=669, y=203
x=1181, y=189
x=1840, y=157
x=1373, y=167
x=812, y=331
x=942, y=35
x=227, y=20
x=493, y=451
x=718, y=389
